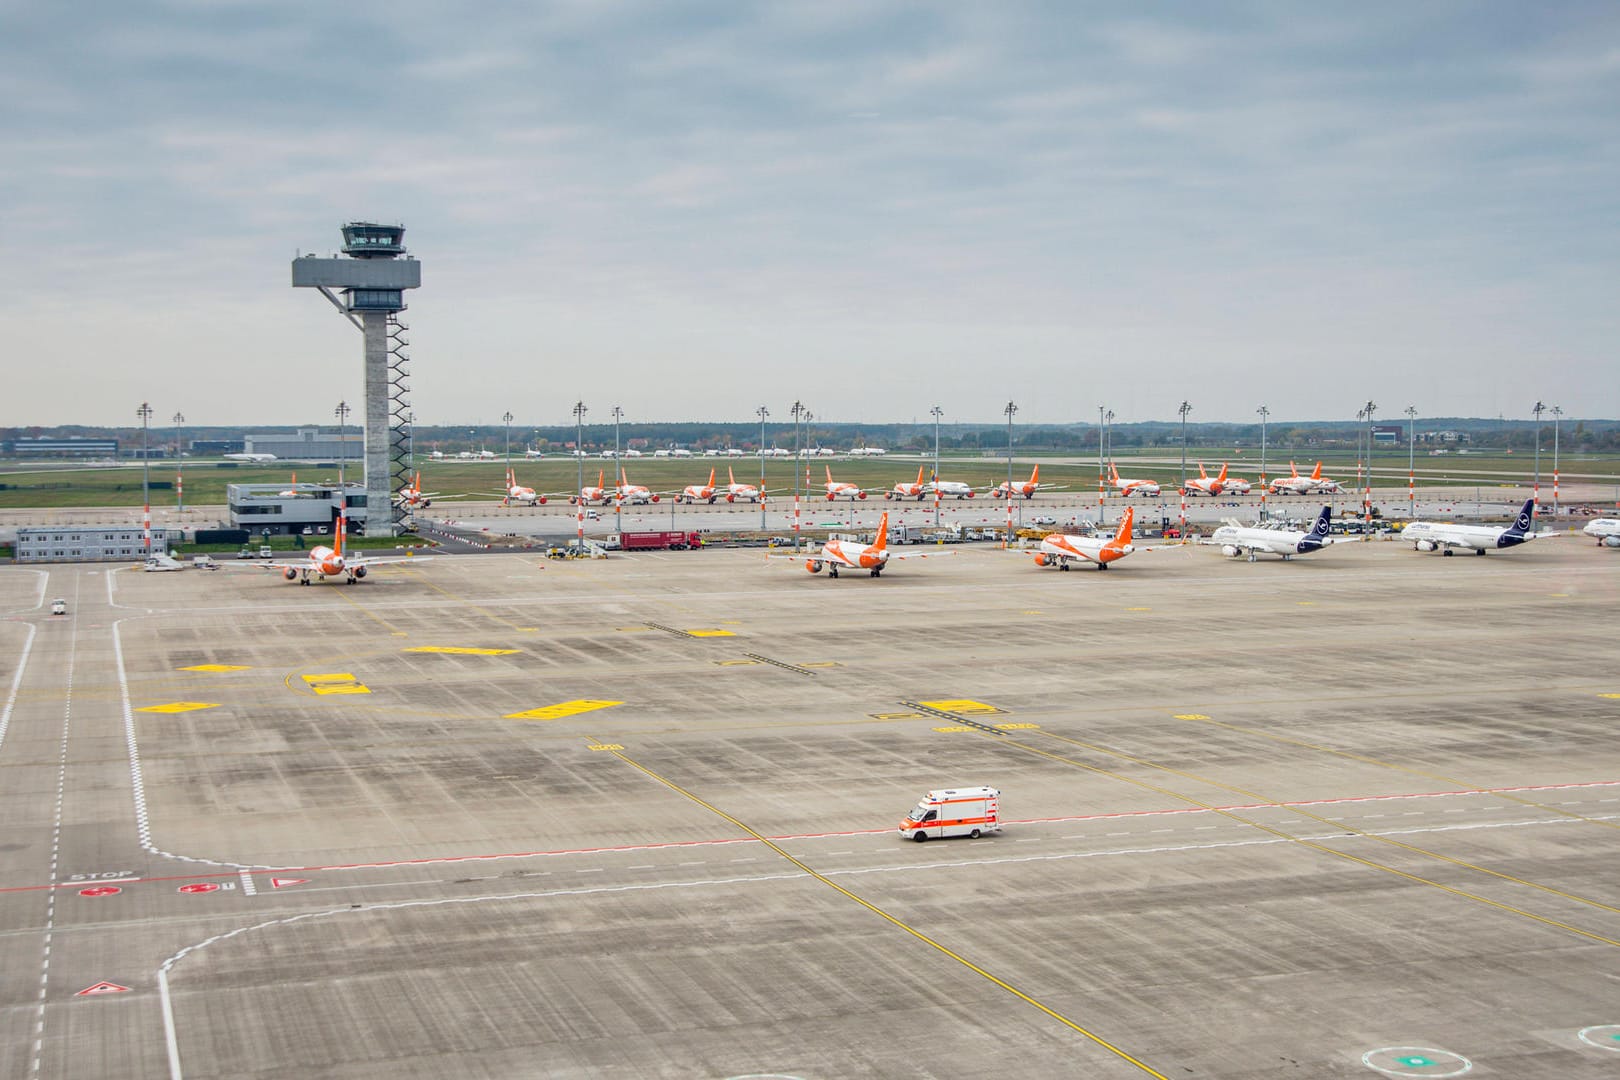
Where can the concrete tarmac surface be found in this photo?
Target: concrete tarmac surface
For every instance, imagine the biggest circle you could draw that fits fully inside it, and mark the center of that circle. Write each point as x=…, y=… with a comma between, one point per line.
x=1350, y=815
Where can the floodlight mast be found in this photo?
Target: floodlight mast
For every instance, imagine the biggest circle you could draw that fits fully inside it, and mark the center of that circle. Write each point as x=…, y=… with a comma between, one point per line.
x=145, y=413
x=372, y=277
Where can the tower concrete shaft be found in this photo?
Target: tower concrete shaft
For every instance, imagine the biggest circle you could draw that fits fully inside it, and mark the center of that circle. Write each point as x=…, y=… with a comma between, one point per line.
x=379, y=476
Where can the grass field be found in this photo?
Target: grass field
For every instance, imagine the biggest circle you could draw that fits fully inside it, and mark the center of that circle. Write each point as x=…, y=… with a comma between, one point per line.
x=205, y=483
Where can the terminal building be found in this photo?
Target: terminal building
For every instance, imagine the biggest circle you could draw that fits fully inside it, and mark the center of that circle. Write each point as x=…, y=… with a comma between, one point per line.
x=307, y=444
x=89, y=543
x=302, y=509
x=72, y=446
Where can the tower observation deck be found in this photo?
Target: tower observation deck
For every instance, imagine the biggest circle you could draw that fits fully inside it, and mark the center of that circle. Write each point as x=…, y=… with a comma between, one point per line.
x=367, y=284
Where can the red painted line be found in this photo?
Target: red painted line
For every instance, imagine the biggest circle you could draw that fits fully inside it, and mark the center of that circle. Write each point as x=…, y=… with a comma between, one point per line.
x=677, y=844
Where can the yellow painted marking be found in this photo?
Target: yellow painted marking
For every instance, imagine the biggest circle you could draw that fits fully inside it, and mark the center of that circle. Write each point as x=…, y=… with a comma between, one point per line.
x=1032, y=613
x=967, y=708
x=821, y=663
x=458, y=651
x=529, y=629
x=562, y=709
x=1138, y=609
x=711, y=633
x=730, y=622
x=399, y=633
x=605, y=746
x=336, y=683
x=1559, y=595
x=1609, y=695
x=948, y=730
x=1191, y=716
x=1305, y=603
x=631, y=629
x=180, y=706
x=735, y=663
x=804, y=867
x=896, y=715
x=216, y=667
x=1017, y=727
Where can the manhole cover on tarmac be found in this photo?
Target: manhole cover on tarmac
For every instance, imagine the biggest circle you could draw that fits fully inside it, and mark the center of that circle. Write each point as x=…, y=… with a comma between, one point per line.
x=1416, y=1061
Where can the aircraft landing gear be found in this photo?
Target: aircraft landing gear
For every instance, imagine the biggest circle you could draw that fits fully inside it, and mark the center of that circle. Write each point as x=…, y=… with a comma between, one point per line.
x=1480, y=551
x=1446, y=552
x=876, y=570
x=1102, y=566
x=832, y=571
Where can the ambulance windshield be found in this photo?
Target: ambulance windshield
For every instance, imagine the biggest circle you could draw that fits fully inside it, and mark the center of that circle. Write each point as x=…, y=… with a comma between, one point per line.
x=923, y=812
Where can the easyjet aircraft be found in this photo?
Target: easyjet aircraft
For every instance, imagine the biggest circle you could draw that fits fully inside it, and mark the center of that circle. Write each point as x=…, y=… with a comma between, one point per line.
x=1295, y=484
x=292, y=492
x=1026, y=488
x=329, y=562
x=849, y=555
x=904, y=490
x=633, y=493
x=517, y=493
x=838, y=490
x=735, y=491
x=1205, y=484
x=588, y=494
x=954, y=488
x=1127, y=487
x=692, y=493
x=412, y=497
x=1058, y=548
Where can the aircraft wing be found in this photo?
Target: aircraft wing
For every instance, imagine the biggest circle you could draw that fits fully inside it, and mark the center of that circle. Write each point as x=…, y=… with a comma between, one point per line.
x=917, y=554
x=386, y=560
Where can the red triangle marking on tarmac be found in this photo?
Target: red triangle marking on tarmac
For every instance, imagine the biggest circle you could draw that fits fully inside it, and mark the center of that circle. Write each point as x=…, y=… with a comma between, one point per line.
x=102, y=988
x=283, y=882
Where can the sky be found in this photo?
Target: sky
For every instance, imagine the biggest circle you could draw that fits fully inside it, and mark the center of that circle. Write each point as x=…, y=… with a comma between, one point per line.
x=692, y=209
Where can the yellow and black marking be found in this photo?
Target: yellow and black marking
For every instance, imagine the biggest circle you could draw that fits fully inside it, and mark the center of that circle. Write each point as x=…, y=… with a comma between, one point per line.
x=806, y=869
x=962, y=723
x=670, y=630
x=457, y=650
x=710, y=633
x=896, y=716
x=783, y=664
x=336, y=683
x=180, y=707
x=562, y=709
x=963, y=707
x=216, y=668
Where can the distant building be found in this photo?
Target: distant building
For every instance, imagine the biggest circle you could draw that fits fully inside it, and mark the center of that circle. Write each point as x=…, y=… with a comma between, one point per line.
x=73, y=446
x=307, y=444
x=88, y=543
x=211, y=447
x=1388, y=434
x=283, y=509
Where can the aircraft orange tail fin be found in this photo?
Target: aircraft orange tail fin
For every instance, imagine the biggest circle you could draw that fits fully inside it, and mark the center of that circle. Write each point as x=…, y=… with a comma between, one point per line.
x=729, y=476
x=337, y=548
x=1316, y=474
x=919, y=474
x=1123, y=536
x=882, y=540
x=1035, y=475
x=1222, y=477
x=829, y=474
x=1202, y=475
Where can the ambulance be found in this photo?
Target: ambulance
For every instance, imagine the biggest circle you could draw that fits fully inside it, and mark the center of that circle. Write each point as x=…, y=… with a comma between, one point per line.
x=969, y=811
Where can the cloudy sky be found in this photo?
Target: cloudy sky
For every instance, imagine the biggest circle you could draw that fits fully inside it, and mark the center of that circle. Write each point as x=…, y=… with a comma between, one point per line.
x=690, y=209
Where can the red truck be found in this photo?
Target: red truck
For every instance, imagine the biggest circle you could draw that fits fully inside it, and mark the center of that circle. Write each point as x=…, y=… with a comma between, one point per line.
x=660, y=541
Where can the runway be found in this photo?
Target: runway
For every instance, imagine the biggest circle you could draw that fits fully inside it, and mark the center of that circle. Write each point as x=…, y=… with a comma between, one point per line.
x=1350, y=815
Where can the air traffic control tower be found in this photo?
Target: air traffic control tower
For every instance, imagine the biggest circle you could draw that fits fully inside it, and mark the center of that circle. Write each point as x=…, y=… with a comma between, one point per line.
x=372, y=280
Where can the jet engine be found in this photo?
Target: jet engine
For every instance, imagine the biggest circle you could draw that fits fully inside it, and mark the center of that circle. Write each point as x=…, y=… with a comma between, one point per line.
x=1425, y=545
x=1041, y=559
x=290, y=574
x=359, y=571
x=863, y=495
x=831, y=496
x=731, y=498
x=1230, y=550
x=813, y=566
x=655, y=498
x=1611, y=541
x=541, y=500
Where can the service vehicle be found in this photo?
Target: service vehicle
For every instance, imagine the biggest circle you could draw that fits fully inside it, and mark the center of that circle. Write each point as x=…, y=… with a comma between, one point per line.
x=267, y=552
x=59, y=606
x=657, y=541
x=203, y=562
x=968, y=811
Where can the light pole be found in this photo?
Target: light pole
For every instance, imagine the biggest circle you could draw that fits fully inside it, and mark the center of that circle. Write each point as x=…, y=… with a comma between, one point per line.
x=798, y=413
x=1366, y=498
x=1184, y=410
x=1108, y=437
x=1264, y=412
x=1009, y=410
x=1411, y=455
x=507, y=420
x=618, y=488
x=1557, y=412
x=1538, y=409
x=579, y=472
x=145, y=413
x=763, y=413
x=1100, y=488
x=342, y=414
x=937, y=413
x=180, y=470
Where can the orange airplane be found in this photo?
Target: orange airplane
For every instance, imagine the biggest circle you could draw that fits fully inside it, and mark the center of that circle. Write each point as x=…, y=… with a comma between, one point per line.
x=1058, y=548
x=1026, y=488
x=903, y=490
x=849, y=555
x=838, y=490
x=329, y=562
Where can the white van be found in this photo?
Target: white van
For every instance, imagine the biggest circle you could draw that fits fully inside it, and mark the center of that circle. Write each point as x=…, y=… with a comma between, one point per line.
x=970, y=811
